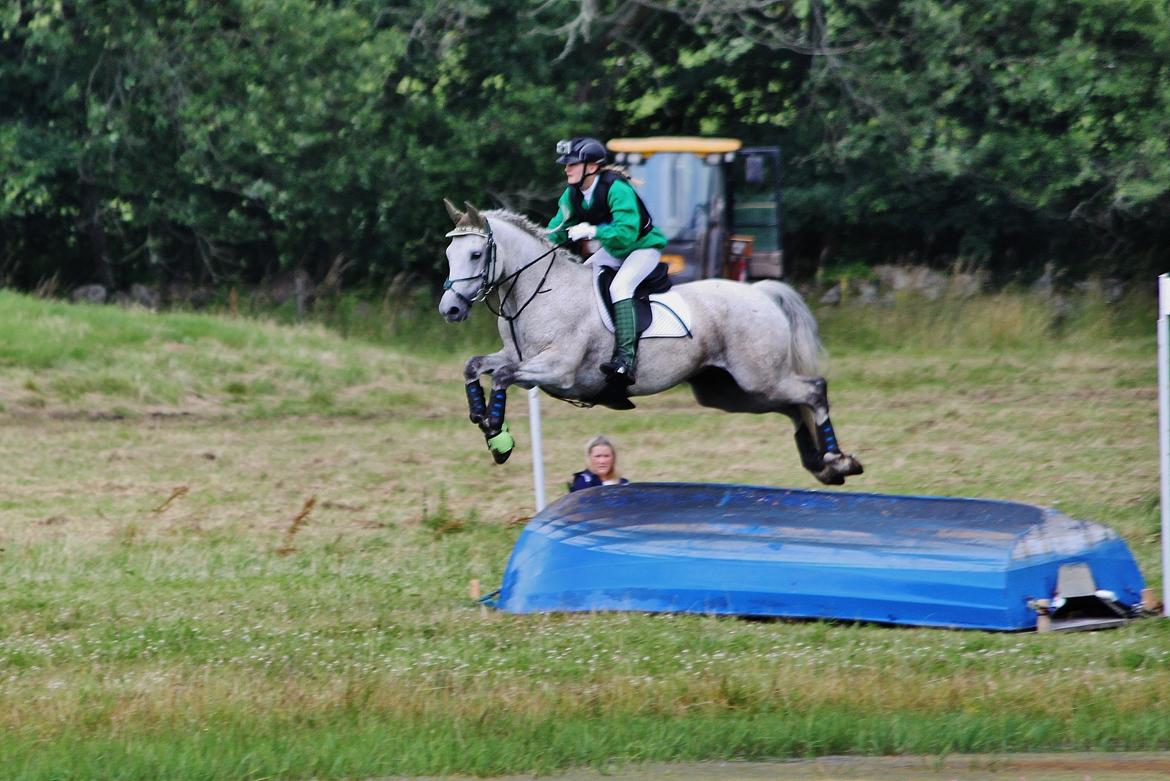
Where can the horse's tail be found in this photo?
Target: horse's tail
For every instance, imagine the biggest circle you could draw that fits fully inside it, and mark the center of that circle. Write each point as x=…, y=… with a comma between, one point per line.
x=805, y=343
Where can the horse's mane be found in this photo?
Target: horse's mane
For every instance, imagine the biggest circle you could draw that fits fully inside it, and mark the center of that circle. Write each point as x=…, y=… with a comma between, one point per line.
x=538, y=232
x=521, y=222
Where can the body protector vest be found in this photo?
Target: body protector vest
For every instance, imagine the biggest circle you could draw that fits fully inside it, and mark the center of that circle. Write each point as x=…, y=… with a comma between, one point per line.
x=598, y=212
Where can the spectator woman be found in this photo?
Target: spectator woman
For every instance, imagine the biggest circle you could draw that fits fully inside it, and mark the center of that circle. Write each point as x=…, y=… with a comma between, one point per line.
x=600, y=466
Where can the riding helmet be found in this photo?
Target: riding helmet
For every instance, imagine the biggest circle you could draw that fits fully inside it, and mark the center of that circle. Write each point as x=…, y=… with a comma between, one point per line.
x=581, y=149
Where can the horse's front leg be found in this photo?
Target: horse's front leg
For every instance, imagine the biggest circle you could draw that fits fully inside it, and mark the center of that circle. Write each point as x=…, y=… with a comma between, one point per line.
x=489, y=415
x=554, y=369
x=478, y=365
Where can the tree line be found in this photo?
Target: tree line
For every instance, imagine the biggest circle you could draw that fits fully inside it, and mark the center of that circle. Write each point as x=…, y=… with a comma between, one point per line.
x=206, y=143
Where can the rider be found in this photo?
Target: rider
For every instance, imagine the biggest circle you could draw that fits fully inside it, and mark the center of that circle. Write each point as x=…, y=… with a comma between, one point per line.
x=600, y=203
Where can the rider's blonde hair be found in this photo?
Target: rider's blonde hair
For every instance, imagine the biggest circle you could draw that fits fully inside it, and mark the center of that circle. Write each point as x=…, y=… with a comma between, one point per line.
x=621, y=171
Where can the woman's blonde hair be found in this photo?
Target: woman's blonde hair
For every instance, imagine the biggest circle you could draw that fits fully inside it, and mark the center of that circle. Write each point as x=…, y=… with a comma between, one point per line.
x=598, y=440
x=621, y=171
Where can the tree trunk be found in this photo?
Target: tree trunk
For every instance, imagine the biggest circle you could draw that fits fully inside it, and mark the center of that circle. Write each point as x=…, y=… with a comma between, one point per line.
x=103, y=270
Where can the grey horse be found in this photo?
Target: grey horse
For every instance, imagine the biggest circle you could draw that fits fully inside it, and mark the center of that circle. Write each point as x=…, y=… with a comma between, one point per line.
x=753, y=347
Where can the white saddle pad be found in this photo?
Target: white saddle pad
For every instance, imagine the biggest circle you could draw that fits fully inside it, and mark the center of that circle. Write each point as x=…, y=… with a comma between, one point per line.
x=670, y=315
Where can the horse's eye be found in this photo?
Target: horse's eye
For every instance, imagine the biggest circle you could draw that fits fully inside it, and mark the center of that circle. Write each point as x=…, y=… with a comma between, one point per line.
x=476, y=255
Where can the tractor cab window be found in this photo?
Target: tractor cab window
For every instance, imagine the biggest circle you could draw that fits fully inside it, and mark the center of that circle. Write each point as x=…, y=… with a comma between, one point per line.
x=679, y=189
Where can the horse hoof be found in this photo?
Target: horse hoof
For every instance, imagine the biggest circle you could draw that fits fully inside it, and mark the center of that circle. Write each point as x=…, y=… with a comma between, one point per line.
x=501, y=445
x=838, y=466
x=851, y=466
x=829, y=477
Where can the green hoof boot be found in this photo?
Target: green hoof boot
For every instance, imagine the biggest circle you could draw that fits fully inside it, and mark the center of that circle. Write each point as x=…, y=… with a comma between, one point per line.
x=501, y=445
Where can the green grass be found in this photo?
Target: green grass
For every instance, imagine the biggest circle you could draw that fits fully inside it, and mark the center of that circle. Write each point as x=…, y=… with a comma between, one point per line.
x=164, y=613
x=60, y=358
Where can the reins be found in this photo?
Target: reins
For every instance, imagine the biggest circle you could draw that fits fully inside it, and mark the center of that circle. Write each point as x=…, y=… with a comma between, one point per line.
x=515, y=277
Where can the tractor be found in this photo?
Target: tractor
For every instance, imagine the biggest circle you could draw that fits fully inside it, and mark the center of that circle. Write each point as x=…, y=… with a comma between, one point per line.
x=717, y=201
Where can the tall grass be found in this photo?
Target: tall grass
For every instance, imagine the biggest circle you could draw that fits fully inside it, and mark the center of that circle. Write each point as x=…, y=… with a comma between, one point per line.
x=257, y=566
x=352, y=745
x=1006, y=320
x=57, y=353
x=400, y=315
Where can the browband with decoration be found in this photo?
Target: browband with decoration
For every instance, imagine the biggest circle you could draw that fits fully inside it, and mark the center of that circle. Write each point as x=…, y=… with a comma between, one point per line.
x=468, y=223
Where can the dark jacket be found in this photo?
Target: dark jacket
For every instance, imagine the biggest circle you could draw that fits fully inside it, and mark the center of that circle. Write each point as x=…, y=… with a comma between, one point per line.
x=586, y=479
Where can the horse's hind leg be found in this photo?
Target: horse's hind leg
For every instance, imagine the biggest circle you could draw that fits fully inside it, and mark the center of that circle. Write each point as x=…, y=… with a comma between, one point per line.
x=806, y=402
x=816, y=440
x=806, y=443
x=803, y=399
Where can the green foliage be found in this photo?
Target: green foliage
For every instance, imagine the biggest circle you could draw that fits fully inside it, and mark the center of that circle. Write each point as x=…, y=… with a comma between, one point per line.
x=180, y=142
x=1008, y=132
x=168, y=141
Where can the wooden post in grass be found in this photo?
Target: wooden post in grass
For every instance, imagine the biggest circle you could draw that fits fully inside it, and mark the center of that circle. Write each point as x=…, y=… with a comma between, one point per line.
x=473, y=591
x=1164, y=428
x=1043, y=615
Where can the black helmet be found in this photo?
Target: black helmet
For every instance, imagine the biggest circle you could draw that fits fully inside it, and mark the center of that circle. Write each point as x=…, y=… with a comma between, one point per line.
x=580, y=150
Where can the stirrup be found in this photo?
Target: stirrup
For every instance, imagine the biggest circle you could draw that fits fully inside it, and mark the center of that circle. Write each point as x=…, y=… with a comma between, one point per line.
x=618, y=370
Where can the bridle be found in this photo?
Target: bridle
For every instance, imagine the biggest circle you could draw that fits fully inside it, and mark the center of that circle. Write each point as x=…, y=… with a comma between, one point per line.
x=488, y=284
x=485, y=277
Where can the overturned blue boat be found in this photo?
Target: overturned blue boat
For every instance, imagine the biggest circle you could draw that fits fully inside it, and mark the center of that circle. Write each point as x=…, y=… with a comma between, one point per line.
x=757, y=551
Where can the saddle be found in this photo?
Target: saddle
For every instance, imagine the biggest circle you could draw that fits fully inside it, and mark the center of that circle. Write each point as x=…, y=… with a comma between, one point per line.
x=659, y=313
x=658, y=310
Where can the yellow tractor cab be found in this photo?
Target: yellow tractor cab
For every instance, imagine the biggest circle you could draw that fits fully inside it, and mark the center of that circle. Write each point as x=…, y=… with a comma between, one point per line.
x=717, y=201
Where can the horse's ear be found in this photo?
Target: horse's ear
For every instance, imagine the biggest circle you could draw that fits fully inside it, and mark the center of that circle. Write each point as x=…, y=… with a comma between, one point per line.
x=474, y=217
x=455, y=214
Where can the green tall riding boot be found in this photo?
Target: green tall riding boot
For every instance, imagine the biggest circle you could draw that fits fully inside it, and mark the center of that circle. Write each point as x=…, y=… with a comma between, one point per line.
x=620, y=368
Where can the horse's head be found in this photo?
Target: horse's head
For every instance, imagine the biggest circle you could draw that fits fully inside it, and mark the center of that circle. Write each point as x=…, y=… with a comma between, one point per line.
x=470, y=262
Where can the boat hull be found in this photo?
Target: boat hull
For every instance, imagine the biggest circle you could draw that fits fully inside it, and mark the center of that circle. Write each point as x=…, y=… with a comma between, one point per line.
x=755, y=551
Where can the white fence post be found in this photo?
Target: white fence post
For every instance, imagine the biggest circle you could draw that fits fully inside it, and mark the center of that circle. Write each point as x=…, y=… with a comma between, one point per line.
x=537, y=446
x=1164, y=428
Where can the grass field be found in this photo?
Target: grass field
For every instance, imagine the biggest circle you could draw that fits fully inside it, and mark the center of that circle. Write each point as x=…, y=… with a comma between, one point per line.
x=231, y=549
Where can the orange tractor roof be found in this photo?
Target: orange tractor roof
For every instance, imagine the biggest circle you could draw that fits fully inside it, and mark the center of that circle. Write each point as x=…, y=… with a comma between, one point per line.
x=692, y=144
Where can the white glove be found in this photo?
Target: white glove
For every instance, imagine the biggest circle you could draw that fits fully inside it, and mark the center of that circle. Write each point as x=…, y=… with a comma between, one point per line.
x=582, y=230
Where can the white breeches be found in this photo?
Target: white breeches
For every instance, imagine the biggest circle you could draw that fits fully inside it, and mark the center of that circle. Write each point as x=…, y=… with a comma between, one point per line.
x=630, y=272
